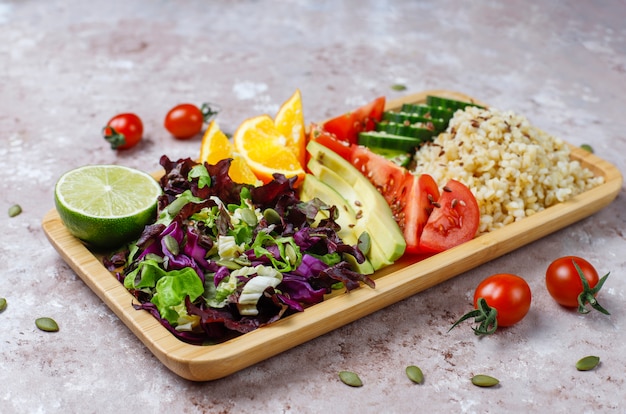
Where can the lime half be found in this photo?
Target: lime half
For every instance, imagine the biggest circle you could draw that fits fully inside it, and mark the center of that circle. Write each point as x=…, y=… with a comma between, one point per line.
x=106, y=205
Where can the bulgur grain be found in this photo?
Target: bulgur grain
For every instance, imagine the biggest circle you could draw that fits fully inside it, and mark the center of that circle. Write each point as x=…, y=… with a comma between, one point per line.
x=513, y=168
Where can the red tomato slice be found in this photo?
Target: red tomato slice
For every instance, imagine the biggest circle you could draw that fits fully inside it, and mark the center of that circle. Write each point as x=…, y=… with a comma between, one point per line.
x=369, y=114
x=346, y=127
x=454, y=219
x=422, y=191
x=409, y=196
x=330, y=141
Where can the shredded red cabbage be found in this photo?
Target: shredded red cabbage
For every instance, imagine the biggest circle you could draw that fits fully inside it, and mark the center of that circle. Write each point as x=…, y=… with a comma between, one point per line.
x=224, y=232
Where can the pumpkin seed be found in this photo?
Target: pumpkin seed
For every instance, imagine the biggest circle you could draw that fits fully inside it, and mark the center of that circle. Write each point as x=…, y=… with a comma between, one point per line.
x=587, y=363
x=3, y=304
x=291, y=254
x=398, y=87
x=171, y=244
x=587, y=147
x=350, y=378
x=47, y=324
x=364, y=243
x=249, y=217
x=415, y=374
x=15, y=210
x=271, y=216
x=484, y=380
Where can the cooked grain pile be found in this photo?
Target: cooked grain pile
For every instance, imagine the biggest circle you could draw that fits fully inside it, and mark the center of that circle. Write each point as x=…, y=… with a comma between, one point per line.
x=513, y=168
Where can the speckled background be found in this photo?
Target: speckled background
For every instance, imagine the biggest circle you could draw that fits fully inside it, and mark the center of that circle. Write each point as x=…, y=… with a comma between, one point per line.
x=67, y=66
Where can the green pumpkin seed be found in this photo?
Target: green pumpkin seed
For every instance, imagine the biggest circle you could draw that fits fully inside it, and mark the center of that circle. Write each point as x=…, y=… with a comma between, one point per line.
x=3, y=304
x=292, y=255
x=587, y=147
x=415, y=374
x=350, y=378
x=484, y=381
x=398, y=87
x=587, y=363
x=272, y=216
x=15, y=210
x=249, y=217
x=172, y=244
x=47, y=324
x=364, y=243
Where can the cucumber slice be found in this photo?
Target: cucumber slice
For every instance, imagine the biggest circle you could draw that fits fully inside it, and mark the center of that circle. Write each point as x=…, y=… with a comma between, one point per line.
x=428, y=111
x=378, y=139
x=439, y=124
x=417, y=131
x=449, y=103
x=388, y=153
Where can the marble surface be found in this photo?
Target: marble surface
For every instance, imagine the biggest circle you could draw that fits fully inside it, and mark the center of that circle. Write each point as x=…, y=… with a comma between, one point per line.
x=67, y=66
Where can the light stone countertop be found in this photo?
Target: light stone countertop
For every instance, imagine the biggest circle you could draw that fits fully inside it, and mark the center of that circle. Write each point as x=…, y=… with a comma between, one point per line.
x=67, y=66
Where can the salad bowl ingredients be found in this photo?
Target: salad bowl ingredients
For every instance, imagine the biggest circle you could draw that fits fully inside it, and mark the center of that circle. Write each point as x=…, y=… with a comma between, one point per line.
x=372, y=214
x=106, y=205
x=513, y=168
x=289, y=121
x=216, y=147
x=262, y=145
x=226, y=258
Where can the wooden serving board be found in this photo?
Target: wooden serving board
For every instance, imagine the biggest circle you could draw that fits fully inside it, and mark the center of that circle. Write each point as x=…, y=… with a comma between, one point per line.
x=394, y=283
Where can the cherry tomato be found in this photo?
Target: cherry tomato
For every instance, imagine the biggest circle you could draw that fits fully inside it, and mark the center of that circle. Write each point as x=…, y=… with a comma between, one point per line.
x=346, y=127
x=123, y=131
x=509, y=294
x=454, y=219
x=565, y=284
x=502, y=299
x=184, y=121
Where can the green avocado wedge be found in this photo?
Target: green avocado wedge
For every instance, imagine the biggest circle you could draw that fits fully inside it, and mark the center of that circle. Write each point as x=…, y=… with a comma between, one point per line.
x=371, y=212
x=311, y=188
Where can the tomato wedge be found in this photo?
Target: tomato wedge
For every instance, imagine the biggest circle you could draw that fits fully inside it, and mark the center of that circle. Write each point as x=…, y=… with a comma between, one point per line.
x=430, y=221
x=409, y=196
x=346, y=127
x=422, y=191
x=330, y=141
x=453, y=221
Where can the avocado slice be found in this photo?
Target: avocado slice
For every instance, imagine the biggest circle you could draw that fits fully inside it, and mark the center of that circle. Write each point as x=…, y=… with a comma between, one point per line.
x=372, y=213
x=312, y=187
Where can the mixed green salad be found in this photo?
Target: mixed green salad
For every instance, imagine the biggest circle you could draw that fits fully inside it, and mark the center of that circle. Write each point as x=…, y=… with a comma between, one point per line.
x=223, y=258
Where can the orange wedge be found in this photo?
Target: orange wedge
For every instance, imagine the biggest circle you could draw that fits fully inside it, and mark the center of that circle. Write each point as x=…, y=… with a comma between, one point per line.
x=216, y=147
x=290, y=122
x=265, y=149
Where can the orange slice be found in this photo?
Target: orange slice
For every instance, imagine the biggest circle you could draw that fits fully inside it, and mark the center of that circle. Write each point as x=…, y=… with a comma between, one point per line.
x=290, y=122
x=216, y=146
x=265, y=149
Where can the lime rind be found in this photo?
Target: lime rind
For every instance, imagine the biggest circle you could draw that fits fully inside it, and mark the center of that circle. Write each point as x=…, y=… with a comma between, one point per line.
x=124, y=192
x=106, y=205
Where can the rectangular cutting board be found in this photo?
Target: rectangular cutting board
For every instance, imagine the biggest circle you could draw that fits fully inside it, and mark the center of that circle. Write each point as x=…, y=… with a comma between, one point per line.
x=394, y=283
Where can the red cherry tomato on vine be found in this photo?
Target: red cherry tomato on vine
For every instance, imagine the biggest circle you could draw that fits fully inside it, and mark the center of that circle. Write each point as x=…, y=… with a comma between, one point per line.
x=184, y=121
x=566, y=286
x=509, y=294
x=502, y=299
x=123, y=131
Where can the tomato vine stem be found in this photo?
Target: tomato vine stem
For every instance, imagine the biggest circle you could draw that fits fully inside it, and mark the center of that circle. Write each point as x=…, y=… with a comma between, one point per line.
x=484, y=315
x=588, y=295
